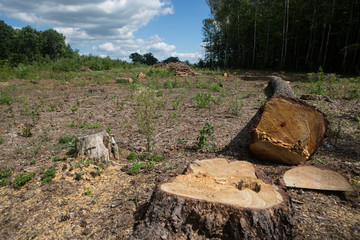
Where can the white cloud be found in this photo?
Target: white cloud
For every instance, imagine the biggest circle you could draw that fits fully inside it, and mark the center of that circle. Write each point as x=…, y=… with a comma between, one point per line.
x=88, y=20
x=106, y=25
x=161, y=50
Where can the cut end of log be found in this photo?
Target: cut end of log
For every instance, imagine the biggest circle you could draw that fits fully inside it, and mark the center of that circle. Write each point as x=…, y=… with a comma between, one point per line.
x=216, y=199
x=288, y=131
x=216, y=180
x=310, y=177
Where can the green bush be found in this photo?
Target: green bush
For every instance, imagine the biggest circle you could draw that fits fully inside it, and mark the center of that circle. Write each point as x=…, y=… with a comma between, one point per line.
x=66, y=65
x=22, y=179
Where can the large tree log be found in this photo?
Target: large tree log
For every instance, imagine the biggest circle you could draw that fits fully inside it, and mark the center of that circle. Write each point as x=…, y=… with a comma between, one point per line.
x=287, y=130
x=217, y=199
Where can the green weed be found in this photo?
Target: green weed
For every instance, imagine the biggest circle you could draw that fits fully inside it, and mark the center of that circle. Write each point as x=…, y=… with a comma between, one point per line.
x=132, y=156
x=4, y=177
x=206, y=134
x=78, y=176
x=176, y=104
x=204, y=100
x=22, y=179
x=85, y=125
x=147, y=112
x=47, y=176
x=211, y=87
x=235, y=106
x=88, y=191
x=5, y=98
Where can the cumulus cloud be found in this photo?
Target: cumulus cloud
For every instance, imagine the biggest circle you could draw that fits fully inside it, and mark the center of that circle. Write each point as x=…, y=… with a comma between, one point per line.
x=107, y=25
x=155, y=45
x=88, y=20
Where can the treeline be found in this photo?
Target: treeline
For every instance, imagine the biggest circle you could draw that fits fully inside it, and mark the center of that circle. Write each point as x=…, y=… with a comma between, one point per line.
x=46, y=49
x=283, y=34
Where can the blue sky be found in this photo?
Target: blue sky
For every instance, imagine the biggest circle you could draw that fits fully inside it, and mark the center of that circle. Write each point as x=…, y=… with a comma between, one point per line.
x=117, y=27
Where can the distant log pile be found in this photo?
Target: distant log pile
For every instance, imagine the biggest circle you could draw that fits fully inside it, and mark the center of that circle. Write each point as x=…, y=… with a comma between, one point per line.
x=178, y=68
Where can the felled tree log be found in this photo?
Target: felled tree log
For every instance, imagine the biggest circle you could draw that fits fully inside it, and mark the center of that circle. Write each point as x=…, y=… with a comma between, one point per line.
x=216, y=199
x=287, y=130
x=97, y=146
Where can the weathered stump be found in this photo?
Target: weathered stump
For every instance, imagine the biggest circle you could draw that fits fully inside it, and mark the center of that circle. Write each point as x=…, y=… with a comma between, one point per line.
x=287, y=130
x=217, y=199
x=97, y=146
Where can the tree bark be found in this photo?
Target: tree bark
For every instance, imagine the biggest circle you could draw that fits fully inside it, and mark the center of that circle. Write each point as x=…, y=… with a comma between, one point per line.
x=174, y=213
x=97, y=146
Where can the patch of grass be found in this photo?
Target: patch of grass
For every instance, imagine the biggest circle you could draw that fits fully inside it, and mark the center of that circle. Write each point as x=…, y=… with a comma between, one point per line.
x=4, y=177
x=159, y=72
x=85, y=125
x=33, y=162
x=1, y=140
x=22, y=179
x=176, y=104
x=211, y=87
x=132, y=156
x=47, y=176
x=51, y=108
x=136, y=167
x=67, y=142
x=66, y=139
x=170, y=84
x=156, y=158
x=169, y=166
x=5, y=98
x=235, y=106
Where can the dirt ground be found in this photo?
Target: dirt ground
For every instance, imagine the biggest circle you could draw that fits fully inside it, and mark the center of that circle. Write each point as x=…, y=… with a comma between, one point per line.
x=104, y=205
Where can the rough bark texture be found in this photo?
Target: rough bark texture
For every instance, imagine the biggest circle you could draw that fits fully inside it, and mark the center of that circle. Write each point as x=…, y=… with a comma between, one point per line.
x=281, y=88
x=287, y=130
x=98, y=145
x=175, y=216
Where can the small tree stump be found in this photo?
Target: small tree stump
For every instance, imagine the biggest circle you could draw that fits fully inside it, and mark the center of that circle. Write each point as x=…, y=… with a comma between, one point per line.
x=96, y=146
x=217, y=199
x=287, y=130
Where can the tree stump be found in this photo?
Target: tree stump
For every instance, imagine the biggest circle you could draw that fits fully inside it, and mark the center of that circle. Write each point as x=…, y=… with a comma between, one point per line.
x=97, y=146
x=217, y=199
x=287, y=130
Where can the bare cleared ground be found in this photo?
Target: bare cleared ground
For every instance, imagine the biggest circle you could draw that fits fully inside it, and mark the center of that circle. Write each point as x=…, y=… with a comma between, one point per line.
x=108, y=204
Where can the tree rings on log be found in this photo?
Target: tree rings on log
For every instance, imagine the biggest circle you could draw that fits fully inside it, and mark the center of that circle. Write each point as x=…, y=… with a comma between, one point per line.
x=288, y=131
x=310, y=177
x=217, y=199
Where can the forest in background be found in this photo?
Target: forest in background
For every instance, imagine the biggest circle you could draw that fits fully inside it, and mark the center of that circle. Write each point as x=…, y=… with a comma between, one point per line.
x=294, y=35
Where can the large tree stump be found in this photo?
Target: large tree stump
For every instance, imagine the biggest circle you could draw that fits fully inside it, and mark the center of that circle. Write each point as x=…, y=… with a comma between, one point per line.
x=287, y=130
x=97, y=146
x=217, y=199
